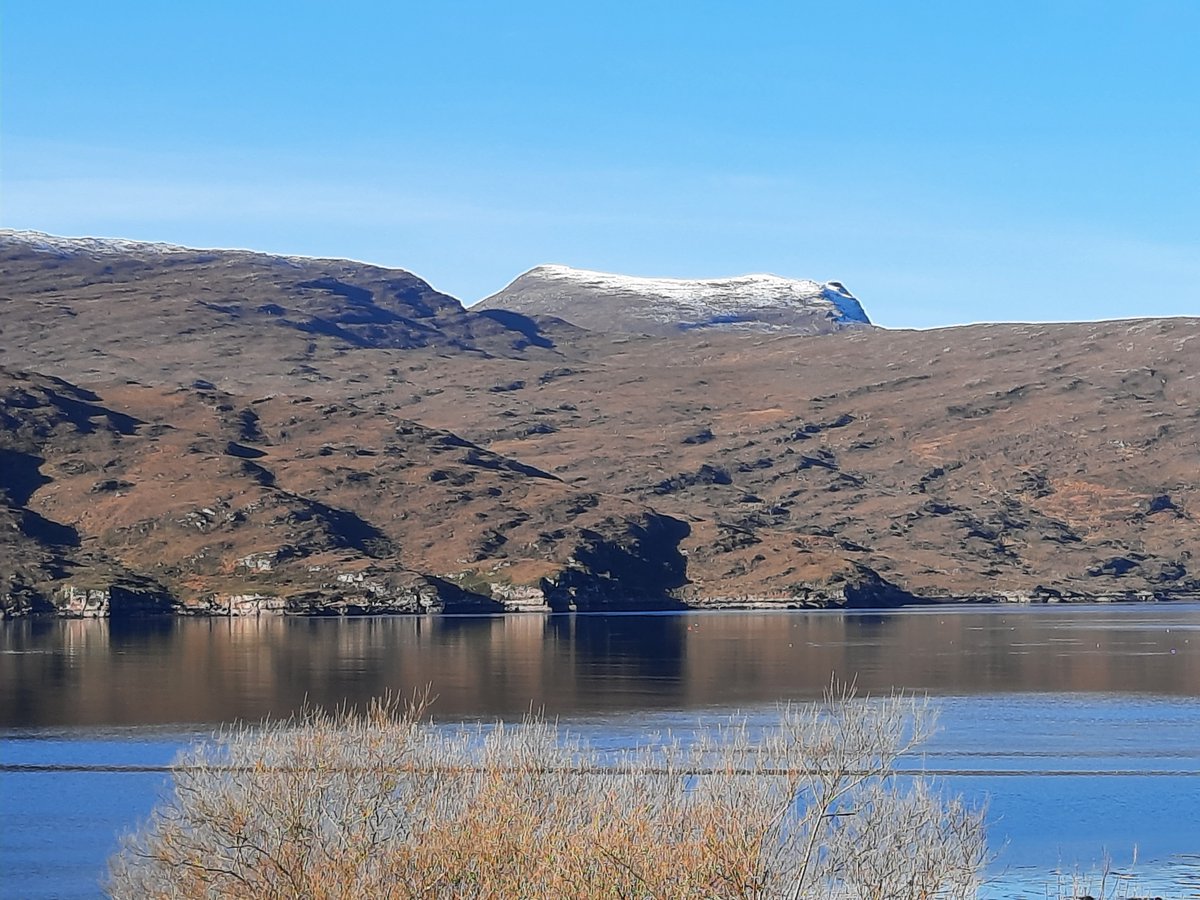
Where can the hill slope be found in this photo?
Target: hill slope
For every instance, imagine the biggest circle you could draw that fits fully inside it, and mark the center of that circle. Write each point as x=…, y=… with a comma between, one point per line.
x=159, y=454
x=104, y=308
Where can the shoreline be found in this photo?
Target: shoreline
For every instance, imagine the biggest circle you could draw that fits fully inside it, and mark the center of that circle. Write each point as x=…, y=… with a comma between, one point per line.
x=259, y=606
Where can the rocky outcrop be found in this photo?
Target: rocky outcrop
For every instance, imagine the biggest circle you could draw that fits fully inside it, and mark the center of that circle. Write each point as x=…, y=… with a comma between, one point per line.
x=125, y=597
x=385, y=593
x=640, y=567
x=860, y=588
x=19, y=598
x=856, y=587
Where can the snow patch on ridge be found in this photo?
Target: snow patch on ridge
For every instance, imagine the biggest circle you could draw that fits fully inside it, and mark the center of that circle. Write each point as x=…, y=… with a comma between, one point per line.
x=713, y=298
x=99, y=247
x=71, y=246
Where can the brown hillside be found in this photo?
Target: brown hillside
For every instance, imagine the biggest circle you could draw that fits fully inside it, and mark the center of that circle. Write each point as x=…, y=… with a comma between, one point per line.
x=223, y=431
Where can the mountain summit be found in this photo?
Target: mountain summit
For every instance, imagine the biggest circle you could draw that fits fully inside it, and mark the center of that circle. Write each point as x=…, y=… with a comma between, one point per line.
x=65, y=298
x=604, y=302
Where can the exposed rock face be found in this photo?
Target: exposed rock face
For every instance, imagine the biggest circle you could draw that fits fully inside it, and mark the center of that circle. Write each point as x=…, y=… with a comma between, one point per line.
x=858, y=588
x=382, y=591
x=632, y=567
x=619, y=303
x=120, y=597
x=853, y=587
x=171, y=442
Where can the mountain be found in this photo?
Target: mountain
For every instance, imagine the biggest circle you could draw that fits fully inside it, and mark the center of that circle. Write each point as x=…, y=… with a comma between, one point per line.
x=170, y=442
x=92, y=307
x=662, y=306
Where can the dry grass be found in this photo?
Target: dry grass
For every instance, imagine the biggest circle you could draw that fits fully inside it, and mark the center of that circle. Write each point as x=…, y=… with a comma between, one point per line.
x=387, y=805
x=1103, y=882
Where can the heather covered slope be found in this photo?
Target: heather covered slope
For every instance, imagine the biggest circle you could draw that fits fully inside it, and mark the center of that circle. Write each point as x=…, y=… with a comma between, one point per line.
x=211, y=503
x=101, y=309
x=162, y=454
x=987, y=460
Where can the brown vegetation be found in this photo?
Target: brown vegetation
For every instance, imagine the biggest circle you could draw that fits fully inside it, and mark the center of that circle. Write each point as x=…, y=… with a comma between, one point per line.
x=236, y=432
x=386, y=805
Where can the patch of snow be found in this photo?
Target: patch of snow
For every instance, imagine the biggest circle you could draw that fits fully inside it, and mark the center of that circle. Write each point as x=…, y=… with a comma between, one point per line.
x=65, y=247
x=711, y=298
x=71, y=246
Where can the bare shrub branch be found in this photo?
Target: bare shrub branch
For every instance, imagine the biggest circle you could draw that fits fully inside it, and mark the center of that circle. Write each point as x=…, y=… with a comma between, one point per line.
x=385, y=804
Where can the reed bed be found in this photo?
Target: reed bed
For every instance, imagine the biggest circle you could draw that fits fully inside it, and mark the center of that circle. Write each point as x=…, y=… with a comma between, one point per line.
x=385, y=804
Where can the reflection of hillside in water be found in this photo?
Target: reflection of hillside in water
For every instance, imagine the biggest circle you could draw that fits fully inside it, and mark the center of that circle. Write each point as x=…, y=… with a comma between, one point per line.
x=207, y=671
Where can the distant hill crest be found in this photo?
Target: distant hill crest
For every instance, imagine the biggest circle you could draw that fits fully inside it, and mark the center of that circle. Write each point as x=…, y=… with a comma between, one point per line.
x=64, y=246
x=605, y=301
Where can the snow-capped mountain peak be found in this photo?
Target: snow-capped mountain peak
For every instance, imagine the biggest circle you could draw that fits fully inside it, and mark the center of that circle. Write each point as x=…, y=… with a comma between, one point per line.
x=609, y=302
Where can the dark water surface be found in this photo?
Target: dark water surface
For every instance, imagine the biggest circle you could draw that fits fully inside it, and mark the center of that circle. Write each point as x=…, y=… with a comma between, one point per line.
x=1080, y=726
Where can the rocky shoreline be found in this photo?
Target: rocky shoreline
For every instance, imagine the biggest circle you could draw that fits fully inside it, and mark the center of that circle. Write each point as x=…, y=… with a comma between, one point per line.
x=426, y=595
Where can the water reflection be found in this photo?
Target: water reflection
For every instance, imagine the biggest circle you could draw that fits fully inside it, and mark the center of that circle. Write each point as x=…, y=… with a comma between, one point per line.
x=68, y=673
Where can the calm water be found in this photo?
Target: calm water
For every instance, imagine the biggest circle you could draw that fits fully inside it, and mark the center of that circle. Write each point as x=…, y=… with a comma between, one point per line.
x=1079, y=726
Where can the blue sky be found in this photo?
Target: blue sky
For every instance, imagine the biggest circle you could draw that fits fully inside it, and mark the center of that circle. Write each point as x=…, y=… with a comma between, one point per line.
x=949, y=162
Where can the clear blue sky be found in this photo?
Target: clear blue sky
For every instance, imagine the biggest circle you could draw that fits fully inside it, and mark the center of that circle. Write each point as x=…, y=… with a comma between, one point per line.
x=949, y=161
